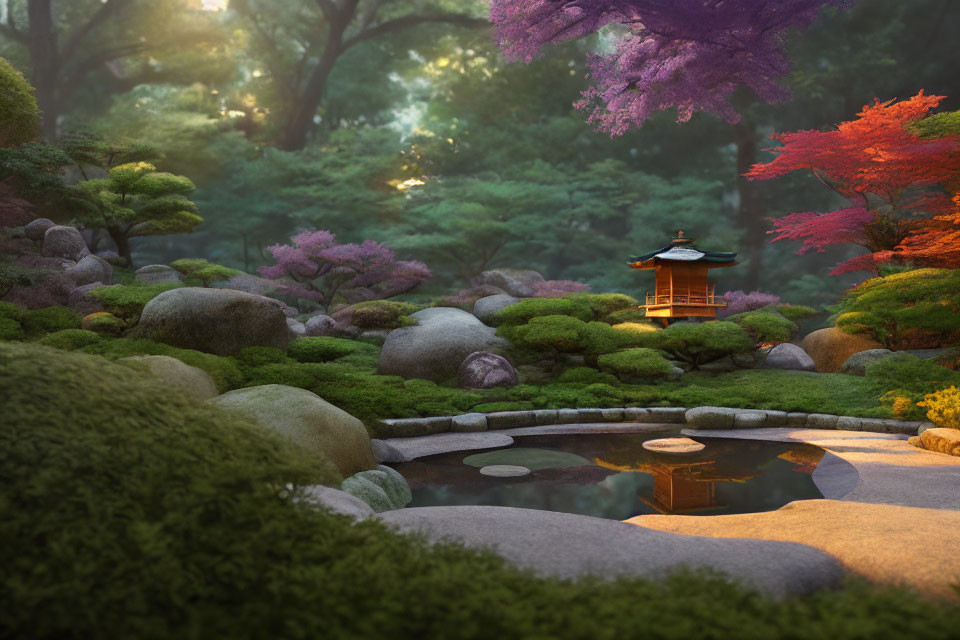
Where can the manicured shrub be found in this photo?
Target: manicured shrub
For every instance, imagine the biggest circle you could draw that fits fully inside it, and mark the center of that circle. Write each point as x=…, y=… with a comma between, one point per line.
x=603, y=304
x=127, y=301
x=10, y=329
x=943, y=407
x=699, y=343
x=382, y=314
x=553, y=333
x=259, y=356
x=525, y=310
x=627, y=316
x=104, y=322
x=40, y=322
x=70, y=339
x=766, y=327
x=796, y=312
x=327, y=349
x=11, y=311
x=636, y=327
x=862, y=322
x=206, y=272
x=636, y=363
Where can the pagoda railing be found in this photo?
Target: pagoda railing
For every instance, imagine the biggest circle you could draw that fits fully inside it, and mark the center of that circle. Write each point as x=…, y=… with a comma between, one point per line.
x=686, y=296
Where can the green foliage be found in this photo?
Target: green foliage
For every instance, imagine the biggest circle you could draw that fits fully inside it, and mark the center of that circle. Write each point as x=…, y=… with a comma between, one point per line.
x=382, y=314
x=259, y=356
x=10, y=329
x=585, y=375
x=203, y=271
x=39, y=322
x=11, y=311
x=104, y=323
x=636, y=363
x=604, y=304
x=327, y=349
x=525, y=310
x=292, y=375
x=907, y=372
x=36, y=170
x=70, y=339
x=698, y=343
x=127, y=301
x=922, y=300
x=627, y=315
x=796, y=312
x=766, y=327
x=19, y=115
x=562, y=334
x=939, y=125
x=226, y=372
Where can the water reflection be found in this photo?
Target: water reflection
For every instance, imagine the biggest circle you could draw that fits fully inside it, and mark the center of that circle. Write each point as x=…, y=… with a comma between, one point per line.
x=623, y=480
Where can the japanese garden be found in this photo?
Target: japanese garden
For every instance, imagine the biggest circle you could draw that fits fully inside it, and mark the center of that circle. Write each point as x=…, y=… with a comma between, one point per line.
x=479, y=319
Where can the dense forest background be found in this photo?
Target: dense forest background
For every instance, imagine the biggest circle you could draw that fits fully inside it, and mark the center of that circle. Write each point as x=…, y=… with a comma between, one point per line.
x=399, y=121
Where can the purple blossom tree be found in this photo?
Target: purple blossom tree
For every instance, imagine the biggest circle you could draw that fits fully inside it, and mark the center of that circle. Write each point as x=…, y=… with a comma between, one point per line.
x=558, y=288
x=688, y=54
x=316, y=267
x=740, y=302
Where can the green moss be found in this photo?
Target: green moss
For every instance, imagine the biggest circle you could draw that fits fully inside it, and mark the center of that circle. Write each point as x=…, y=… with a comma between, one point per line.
x=491, y=407
x=766, y=327
x=585, y=375
x=796, y=312
x=292, y=375
x=19, y=114
x=636, y=363
x=11, y=311
x=326, y=349
x=525, y=310
x=258, y=356
x=382, y=314
x=39, y=322
x=70, y=339
x=105, y=323
x=10, y=329
x=361, y=361
x=938, y=125
x=203, y=272
x=127, y=301
x=907, y=371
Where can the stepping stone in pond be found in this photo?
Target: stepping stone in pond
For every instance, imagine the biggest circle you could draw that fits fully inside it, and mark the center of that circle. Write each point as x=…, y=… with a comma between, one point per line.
x=529, y=457
x=504, y=471
x=673, y=445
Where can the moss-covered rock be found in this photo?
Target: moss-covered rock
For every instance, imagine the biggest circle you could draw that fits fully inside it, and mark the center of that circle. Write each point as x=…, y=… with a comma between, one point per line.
x=389, y=491
x=172, y=374
x=766, y=327
x=103, y=322
x=382, y=314
x=524, y=311
x=40, y=322
x=831, y=347
x=70, y=339
x=10, y=329
x=126, y=301
x=325, y=349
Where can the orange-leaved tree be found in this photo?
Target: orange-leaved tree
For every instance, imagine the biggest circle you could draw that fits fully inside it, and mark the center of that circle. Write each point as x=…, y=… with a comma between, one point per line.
x=902, y=186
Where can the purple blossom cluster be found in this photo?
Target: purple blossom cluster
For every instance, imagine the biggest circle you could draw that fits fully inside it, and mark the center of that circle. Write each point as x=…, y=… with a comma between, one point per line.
x=316, y=267
x=688, y=54
x=558, y=288
x=740, y=302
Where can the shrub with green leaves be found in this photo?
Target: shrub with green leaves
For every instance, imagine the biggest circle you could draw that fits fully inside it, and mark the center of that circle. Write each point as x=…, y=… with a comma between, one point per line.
x=636, y=363
x=627, y=315
x=11, y=311
x=326, y=349
x=10, y=329
x=922, y=305
x=698, y=343
x=766, y=327
x=796, y=312
x=603, y=304
x=40, y=322
x=127, y=301
x=383, y=314
x=105, y=323
x=70, y=339
x=19, y=114
x=206, y=272
x=527, y=309
x=585, y=375
x=917, y=375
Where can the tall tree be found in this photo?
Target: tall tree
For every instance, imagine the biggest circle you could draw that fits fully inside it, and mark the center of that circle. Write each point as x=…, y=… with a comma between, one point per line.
x=301, y=45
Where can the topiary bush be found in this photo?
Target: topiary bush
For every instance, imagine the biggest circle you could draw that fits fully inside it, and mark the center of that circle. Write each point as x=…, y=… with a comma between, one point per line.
x=327, y=349
x=10, y=329
x=631, y=364
x=604, y=304
x=699, y=343
x=382, y=314
x=70, y=339
x=525, y=310
x=19, y=114
x=796, y=312
x=40, y=322
x=766, y=327
x=127, y=301
x=204, y=272
x=627, y=316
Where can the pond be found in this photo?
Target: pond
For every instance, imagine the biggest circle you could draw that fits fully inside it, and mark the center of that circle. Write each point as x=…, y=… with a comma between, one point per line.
x=613, y=476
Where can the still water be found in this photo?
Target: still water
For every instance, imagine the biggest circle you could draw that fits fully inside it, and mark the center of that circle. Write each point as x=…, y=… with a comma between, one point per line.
x=613, y=476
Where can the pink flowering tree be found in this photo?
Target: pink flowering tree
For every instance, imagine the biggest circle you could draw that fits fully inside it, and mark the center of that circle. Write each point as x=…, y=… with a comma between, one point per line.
x=558, y=288
x=316, y=267
x=740, y=302
x=688, y=54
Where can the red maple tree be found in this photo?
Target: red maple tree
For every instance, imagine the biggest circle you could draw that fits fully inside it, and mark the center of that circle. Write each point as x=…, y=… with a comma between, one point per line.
x=900, y=187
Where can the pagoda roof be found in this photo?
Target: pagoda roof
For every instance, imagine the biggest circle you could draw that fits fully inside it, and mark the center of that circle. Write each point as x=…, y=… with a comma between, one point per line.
x=686, y=253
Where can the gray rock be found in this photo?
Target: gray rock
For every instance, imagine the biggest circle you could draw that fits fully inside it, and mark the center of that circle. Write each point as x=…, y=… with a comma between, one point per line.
x=710, y=417
x=297, y=330
x=568, y=416
x=510, y=419
x=219, y=321
x=856, y=365
x=468, y=423
x=337, y=501
x=775, y=418
x=485, y=370
x=153, y=273
x=320, y=326
x=504, y=471
x=722, y=365
x=565, y=546
x=81, y=300
x=613, y=414
x=383, y=451
x=749, y=419
x=64, y=242
x=516, y=282
x=369, y=492
x=415, y=427
x=675, y=373
x=788, y=356
x=91, y=269
x=545, y=416
x=434, y=348
x=249, y=283
x=849, y=423
x=822, y=421
x=36, y=229
x=485, y=308
x=392, y=486
x=796, y=420
x=375, y=336
x=413, y=448
x=668, y=415
x=194, y=383
x=743, y=360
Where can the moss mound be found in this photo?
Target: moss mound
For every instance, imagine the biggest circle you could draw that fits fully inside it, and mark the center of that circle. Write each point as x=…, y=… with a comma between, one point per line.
x=636, y=363
x=382, y=314
x=766, y=327
x=19, y=114
x=70, y=339
x=327, y=349
x=127, y=301
x=40, y=322
x=526, y=310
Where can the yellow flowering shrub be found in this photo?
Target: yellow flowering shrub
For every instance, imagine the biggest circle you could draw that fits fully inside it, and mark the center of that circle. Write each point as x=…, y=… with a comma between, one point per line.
x=901, y=405
x=943, y=407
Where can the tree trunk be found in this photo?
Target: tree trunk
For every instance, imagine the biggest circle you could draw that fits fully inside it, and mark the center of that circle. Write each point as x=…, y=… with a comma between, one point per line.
x=46, y=64
x=749, y=214
x=123, y=246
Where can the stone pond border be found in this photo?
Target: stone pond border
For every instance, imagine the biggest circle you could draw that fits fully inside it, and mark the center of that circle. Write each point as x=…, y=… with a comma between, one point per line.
x=705, y=417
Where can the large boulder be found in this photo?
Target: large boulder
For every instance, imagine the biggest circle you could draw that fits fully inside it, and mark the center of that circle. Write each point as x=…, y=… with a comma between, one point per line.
x=788, y=356
x=830, y=348
x=91, y=269
x=485, y=370
x=218, y=321
x=64, y=242
x=484, y=308
x=320, y=326
x=153, y=273
x=193, y=382
x=307, y=420
x=943, y=440
x=435, y=347
x=36, y=229
x=81, y=300
x=297, y=330
x=857, y=364
x=516, y=282
x=382, y=488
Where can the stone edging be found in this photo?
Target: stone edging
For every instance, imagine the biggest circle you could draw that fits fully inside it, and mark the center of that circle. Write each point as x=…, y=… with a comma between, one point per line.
x=706, y=417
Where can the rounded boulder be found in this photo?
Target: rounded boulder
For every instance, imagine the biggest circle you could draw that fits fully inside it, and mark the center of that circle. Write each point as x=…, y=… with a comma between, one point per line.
x=60, y=241
x=516, y=282
x=788, y=356
x=485, y=370
x=434, y=348
x=307, y=420
x=192, y=382
x=830, y=348
x=91, y=269
x=856, y=365
x=218, y=321
x=36, y=229
x=484, y=308
x=154, y=273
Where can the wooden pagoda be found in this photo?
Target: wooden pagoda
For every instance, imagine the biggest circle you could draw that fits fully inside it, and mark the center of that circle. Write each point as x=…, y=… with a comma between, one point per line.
x=682, y=289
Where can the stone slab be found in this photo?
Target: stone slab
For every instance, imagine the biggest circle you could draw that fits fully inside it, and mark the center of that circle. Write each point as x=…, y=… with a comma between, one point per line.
x=419, y=447
x=572, y=429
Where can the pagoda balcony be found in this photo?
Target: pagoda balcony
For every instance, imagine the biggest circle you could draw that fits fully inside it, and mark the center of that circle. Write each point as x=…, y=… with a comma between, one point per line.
x=705, y=297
